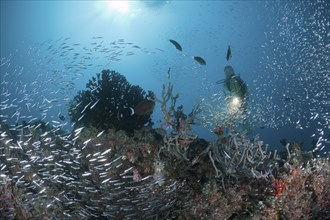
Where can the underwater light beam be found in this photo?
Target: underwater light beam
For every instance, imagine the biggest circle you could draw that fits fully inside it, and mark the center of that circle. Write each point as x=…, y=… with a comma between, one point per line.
x=122, y=7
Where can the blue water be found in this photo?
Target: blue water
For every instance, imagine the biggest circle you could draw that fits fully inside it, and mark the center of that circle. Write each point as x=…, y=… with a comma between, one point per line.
x=280, y=49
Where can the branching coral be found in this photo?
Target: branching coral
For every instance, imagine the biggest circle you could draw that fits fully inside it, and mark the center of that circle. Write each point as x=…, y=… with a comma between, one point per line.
x=107, y=103
x=176, y=118
x=180, y=123
x=234, y=155
x=167, y=95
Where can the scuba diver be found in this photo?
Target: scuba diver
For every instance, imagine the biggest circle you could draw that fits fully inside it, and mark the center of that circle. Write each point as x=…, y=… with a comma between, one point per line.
x=234, y=85
x=236, y=92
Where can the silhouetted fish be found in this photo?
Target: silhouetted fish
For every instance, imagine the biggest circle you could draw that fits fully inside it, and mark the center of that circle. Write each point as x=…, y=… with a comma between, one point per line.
x=200, y=60
x=144, y=107
x=176, y=44
x=61, y=117
x=228, y=56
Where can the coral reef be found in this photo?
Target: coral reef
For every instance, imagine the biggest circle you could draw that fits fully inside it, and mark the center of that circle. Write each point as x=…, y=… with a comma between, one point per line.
x=103, y=170
x=108, y=102
x=84, y=174
x=234, y=156
x=294, y=189
x=179, y=124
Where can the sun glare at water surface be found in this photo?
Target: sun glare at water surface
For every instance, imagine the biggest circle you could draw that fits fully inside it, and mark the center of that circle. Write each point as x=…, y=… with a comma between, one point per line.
x=122, y=7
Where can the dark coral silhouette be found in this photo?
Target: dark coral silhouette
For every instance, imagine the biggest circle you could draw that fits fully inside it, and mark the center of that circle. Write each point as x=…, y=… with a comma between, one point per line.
x=108, y=102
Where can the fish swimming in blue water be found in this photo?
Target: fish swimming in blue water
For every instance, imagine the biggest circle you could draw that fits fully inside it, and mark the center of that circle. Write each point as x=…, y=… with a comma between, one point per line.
x=200, y=60
x=176, y=44
x=228, y=56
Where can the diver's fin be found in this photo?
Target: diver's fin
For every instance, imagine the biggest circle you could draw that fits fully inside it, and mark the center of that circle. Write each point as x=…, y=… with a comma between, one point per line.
x=220, y=81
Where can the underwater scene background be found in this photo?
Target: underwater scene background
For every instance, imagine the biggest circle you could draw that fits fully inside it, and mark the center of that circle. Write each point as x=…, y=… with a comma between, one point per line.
x=165, y=110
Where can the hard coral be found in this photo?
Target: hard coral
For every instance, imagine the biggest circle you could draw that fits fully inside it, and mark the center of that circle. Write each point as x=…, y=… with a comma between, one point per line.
x=108, y=102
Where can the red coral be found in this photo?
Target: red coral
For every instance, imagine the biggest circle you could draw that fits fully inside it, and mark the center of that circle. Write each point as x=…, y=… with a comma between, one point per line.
x=279, y=187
